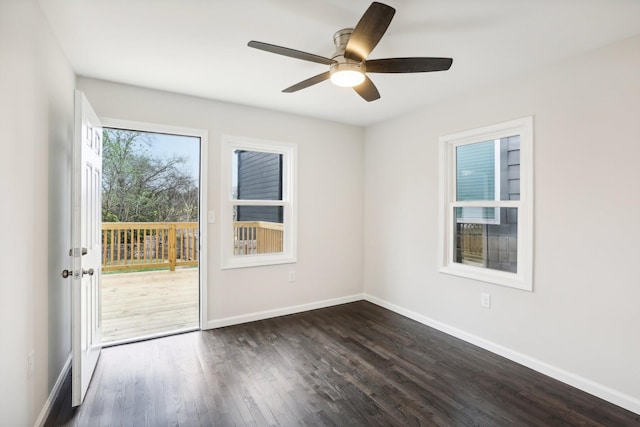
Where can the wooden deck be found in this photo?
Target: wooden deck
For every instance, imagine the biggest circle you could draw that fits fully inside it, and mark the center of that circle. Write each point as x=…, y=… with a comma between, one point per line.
x=141, y=304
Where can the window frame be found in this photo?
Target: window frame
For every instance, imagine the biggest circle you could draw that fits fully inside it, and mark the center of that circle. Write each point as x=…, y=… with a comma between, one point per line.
x=523, y=278
x=230, y=144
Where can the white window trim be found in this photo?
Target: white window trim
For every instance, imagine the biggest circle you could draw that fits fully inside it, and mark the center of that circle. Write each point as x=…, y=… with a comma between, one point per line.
x=523, y=279
x=289, y=151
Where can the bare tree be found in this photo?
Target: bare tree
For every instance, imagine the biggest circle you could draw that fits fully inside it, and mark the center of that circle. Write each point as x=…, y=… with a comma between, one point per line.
x=140, y=187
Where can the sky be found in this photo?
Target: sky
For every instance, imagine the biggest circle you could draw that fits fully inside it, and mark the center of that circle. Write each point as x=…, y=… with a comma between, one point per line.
x=166, y=145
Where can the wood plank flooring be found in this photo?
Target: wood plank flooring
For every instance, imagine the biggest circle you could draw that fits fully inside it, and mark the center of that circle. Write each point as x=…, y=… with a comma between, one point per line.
x=351, y=365
x=145, y=303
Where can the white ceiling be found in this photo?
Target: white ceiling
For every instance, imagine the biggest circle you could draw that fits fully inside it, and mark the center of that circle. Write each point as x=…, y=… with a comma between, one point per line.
x=199, y=47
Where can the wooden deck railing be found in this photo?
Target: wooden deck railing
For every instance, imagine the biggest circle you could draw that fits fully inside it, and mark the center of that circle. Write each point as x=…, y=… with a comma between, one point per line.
x=257, y=237
x=149, y=245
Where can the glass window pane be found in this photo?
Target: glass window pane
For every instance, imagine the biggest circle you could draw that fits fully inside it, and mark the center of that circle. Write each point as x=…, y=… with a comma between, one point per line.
x=258, y=230
x=488, y=170
x=256, y=175
x=475, y=171
x=490, y=244
x=259, y=213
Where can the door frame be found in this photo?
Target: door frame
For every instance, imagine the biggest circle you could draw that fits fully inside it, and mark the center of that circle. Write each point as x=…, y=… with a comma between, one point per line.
x=203, y=134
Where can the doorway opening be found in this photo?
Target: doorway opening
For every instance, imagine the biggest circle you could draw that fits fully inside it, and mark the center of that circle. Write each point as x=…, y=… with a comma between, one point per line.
x=151, y=234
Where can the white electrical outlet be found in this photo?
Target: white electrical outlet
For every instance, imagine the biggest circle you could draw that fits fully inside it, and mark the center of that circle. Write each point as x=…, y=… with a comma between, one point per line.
x=292, y=276
x=485, y=300
x=31, y=363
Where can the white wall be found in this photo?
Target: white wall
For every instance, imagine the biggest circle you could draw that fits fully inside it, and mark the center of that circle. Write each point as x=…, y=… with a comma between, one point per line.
x=583, y=317
x=36, y=124
x=330, y=197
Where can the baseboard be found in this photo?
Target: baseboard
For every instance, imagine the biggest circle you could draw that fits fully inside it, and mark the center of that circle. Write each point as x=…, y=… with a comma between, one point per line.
x=610, y=395
x=42, y=418
x=268, y=314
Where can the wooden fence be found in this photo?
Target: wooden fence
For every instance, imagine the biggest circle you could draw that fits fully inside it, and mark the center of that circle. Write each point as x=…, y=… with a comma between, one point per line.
x=472, y=243
x=149, y=245
x=257, y=237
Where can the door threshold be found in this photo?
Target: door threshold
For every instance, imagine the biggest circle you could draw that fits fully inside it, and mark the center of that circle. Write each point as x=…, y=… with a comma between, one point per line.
x=148, y=337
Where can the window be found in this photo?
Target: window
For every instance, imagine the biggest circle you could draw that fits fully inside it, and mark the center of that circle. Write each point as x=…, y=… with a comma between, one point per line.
x=486, y=204
x=258, y=203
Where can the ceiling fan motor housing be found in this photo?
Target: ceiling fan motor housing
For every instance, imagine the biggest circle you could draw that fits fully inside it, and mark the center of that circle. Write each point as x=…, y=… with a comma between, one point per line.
x=347, y=65
x=340, y=39
x=342, y=64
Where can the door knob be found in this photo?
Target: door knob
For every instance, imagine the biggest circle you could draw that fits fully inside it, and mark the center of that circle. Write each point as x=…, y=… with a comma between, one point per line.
x=68, y=273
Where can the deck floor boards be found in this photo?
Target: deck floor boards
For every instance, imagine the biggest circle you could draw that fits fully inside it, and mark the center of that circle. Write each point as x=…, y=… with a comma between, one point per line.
x=147, y=303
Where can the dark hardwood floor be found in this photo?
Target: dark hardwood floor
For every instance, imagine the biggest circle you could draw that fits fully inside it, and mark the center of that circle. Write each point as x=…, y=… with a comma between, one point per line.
x=352, y=365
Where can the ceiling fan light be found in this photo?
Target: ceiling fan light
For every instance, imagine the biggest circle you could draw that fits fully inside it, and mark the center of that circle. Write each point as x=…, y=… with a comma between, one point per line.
x=347, y=78
x=347, y=74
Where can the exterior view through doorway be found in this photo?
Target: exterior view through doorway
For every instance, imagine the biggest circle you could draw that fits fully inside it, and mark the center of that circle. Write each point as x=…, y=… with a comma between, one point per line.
x=151, y=206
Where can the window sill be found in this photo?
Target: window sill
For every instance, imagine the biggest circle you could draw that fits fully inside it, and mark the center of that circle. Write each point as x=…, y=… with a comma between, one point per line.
x=502, y=278
x=248, y=261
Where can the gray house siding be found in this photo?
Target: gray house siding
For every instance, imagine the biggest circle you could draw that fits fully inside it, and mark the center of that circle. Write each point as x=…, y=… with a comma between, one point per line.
x=502, y=238
x=259, y=178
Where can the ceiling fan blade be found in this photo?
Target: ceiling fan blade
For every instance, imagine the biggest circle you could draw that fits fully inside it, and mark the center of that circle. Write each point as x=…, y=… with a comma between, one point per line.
x=309, y=82
x=369, y=31
x=367, y=90
x=407, y=65
x=292, y=53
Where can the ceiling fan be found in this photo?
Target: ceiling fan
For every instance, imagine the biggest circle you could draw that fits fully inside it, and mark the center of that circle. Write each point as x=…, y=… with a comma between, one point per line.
x=348, y=65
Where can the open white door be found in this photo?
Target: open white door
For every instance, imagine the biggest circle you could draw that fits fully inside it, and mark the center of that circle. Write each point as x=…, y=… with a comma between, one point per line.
x=86, y=243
